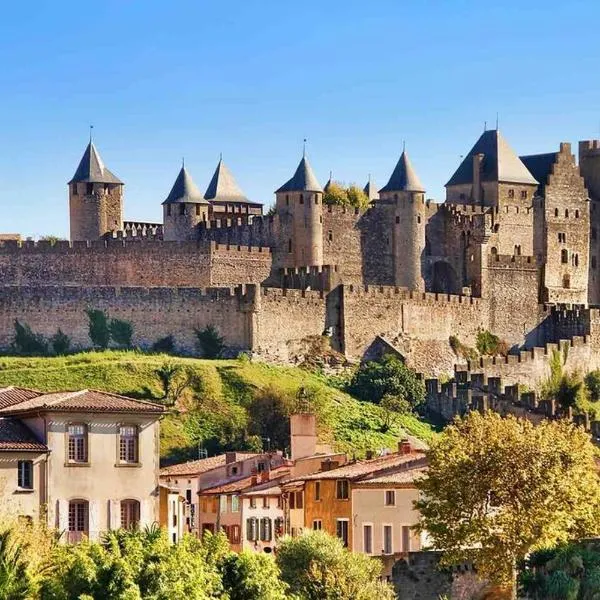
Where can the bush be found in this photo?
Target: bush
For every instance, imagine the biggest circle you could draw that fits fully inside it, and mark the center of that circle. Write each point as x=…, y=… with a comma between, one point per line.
x=489, y=344
x=165, y=344
x=98, y=329
x=592, y=382
x=208, y=342
x=351, y=196
x=60, y=342
x=121, y=332
x=28, y=343
x=374, y=380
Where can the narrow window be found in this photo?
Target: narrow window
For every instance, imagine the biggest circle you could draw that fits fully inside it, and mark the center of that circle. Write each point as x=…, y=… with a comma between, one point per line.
x=182, y=209
x=188, y=496
x=266, y=502
x=168, y=210
x=341, y=489
x=564, y=256
x=89, y=188
x=222, y=503
x=128, y=444
x=235, y=503
x=316, y=199
x=292, y=500
x=299, y=500
x=25, y=474
x=77, y=443
x=523, y=194
x=511, y=193
x=317, y=490
x=106, y=188
x=556, y=212
x=566, y=212
x=78, y=520
x=130, y=514
x=266, y=529
x=301, y=198
x=341, y=530
x=330, y=235
x=577, y=214
x=279, y=526
x=418, y=218
x=252, y=529
x=317, y=525
x=197, y=210
x=405, y=538
x=397, y=220
x=576, y=260
x=74, y=189
x=253, y=502
x=494, y=250
x=290, y=246
x=387, y=539
x=566, y=281
x=234, y=534
x=287, y=199
x=390, y=498
x=368, y=539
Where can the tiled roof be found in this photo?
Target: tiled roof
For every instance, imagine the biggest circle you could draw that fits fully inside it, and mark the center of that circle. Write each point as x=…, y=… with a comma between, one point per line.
x=83, y=400
x=228, y=487
x=202, y=465
x=16, y=436
x=10, y=396
x=362, y=468
x=403, y=178
x=91, y=169
x=303, y=180
x=184, y=190
x=500, y=163
x=223, y=187
x=402, y=476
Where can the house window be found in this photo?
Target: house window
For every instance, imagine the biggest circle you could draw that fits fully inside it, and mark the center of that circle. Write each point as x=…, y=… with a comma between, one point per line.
x=317, y=525
x=341, y=530
x=130, y=514
x=78, y=520
x=265, y=501
x=252, y=529
x=368, y=539
x=222, y=503
x=511, y=193
x=234, y=534
x=341, y=489
x=279, y=526
x=266, y=529
x=405, y=538
x=523, y=194
x=235, y=503
x=299, y=500
x=77, y=443
x=188, y=496
x=317, y=490
x=387, y=539
x=25, y=474
x=128, y=444
x=564, y=256
x=253, y=502
x=556, y=212
x=390, y=497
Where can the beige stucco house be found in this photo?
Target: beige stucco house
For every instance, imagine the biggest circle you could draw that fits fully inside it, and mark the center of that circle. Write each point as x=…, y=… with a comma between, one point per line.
x=87, y=461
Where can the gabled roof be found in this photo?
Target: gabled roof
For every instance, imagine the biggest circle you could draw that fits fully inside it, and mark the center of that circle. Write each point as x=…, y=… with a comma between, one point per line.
x=400, y=477
x=16, y=436
x=403, y=178
x=83, y=401
x=91, y=169
x=304, y=180
x=223, y=186
x=540, y=165
x=371, y=190
x=500, y=163
x=11, y=395
x=202, y=465
x=185, y=190
x=230, y=486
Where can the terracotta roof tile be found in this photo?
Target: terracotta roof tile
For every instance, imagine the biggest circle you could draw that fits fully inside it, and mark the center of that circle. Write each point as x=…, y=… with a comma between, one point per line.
x=83, y=400
x=402, y=476
x=16, y=436
x=202, y=465
x=9, y=396
x=228, y=487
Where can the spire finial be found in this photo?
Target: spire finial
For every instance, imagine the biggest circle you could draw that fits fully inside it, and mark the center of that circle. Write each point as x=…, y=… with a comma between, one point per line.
x=220, y=156
x=496, y=121
x=304, y=149
x=369, y=178
x=403, y=145
x=91, y=128
x=183, y=162
x=330, y=175
x=484, y=126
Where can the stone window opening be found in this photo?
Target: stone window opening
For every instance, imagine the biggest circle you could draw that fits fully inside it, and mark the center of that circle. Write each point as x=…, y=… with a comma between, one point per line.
x=197, y=210
x=566, y=281
x=301, y=198
x=562, y=237
x=74, y=189
x=289, y=246
x=575, y=260
x=523, y=194
x=511, y=193
x=556, y=212
x=182, y=209
x=418, y=218
x=564, y=256
x=566, y=213
x=25, y=474
x=316, y=199
x=89, y=188
x=330, y=235
x=577, y=214
x=494, y=250
x=517, y=251
x=287, y=199
x=397, y=220
x=168, y=210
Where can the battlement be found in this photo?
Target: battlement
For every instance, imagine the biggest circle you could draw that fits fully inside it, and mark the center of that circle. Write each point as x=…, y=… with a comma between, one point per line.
x=343, y=210
x=277, y=294
x=118, y=241
x=217, y=248
x=233, y=223
x=141, y=229
x=589, y=147
x=406, y=294
x=512, y=261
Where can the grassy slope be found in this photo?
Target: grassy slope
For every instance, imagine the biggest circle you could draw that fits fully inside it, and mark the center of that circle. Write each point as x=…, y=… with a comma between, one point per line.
x=343, y=421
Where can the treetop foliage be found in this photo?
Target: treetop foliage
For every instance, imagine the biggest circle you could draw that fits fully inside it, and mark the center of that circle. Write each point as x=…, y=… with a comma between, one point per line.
x=350, y=196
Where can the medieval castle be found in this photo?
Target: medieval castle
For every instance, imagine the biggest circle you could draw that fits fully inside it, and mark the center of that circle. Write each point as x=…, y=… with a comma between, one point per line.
x=513, y=250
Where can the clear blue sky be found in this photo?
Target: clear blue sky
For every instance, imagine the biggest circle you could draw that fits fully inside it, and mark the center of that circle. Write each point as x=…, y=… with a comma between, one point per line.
x=161, y=80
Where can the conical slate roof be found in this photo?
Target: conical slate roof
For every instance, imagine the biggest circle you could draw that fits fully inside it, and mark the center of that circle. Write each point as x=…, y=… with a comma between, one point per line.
x=329, y=182
x=500, y=163
x=371, y=190
x=91, y=169
x=304, y=180
x=223, y=186
x=185, y=190
x=404, y=177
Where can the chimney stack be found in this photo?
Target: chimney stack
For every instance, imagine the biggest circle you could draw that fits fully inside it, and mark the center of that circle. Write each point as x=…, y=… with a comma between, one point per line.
x=369, y=454
x=404, y=447
x=303, y=434
x=229, y=457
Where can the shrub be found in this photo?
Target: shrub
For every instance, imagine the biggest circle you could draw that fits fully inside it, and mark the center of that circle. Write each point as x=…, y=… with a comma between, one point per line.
x=26, y=342
x=121, y=332
x=60, y=342
x=489, y=344
x=165, y=344
x=373, y=380
x=98, y=329
x=208, y=342
x=592, y=382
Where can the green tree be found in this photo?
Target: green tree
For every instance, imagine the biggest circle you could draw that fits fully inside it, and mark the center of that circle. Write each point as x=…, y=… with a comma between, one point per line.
x=335, y=195
x=208, y=342
x=121, y=332
x=269, y=412
x=98, y=329
x=357, y=197
x=499, y=488
x=164, y=345
x=174, y=380
x=592, y=382
x=15, y=581
x=60, y=342
x=392, y=407
x=373, y=380
x=316, y=566
x=28, y=343
x=252, y=576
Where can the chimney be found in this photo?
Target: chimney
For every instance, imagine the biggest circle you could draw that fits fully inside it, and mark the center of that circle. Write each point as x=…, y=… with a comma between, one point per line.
x=404, y=447
x=303, y=433
x=229, y=457
x=477, y=162
x=264, y=476
x=370, y=454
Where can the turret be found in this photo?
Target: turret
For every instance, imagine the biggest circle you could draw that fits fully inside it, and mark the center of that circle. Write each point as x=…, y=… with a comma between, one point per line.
x=405, y=193
x=589, y=165
x=299, y=204
x=183, y=209
x=95, y=198
x=371, y=190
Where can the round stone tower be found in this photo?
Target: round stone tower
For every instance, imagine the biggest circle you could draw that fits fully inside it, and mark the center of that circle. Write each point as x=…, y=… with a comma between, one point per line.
x=184, y=208
x=95, y=199
x=405, y=195
x=299, y=206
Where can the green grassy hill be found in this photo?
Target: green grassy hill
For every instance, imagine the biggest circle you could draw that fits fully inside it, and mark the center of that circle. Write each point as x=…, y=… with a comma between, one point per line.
x=220, y=411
